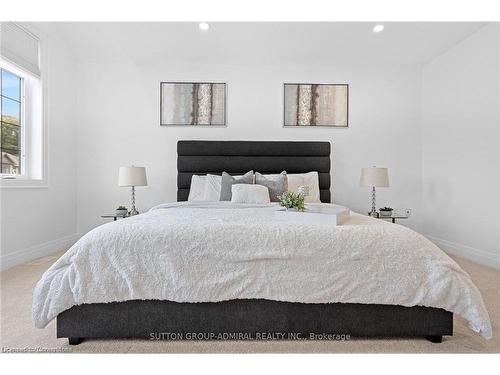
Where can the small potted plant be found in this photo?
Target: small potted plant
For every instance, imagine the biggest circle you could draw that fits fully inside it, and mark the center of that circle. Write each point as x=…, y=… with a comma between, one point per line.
x=292, y=201
x=385, y=211
x=121, y=211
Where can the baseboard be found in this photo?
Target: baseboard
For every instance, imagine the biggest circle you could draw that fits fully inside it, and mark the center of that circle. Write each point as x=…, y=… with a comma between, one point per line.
x=25, y=255
x=467, y=252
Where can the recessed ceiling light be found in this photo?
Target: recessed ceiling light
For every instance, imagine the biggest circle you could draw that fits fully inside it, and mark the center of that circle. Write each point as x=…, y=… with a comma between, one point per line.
x=203, y=26
x=378, y=28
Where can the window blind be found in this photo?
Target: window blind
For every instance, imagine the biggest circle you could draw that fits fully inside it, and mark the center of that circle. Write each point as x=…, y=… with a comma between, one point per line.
x=20, y=47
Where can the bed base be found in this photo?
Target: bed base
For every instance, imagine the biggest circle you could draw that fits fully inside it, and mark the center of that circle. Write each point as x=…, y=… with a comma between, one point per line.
x=79, y=340
x=255, y=319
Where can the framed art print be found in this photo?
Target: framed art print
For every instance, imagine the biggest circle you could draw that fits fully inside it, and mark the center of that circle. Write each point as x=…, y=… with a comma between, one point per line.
x=193, y=103
x=311, y=104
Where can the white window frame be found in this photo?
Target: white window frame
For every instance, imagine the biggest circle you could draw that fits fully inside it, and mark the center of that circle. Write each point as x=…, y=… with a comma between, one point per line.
x=35, y=167
x=22, y=125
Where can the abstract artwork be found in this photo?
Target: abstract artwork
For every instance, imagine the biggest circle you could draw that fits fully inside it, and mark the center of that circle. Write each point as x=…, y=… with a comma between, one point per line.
x=316, y=104
x=192, y=103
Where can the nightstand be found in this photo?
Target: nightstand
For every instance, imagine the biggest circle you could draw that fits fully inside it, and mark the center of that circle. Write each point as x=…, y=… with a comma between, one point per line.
x=114, y=216
x=392, y=217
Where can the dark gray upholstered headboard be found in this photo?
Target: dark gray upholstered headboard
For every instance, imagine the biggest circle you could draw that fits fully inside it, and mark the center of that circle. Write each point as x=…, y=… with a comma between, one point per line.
x=238, y=157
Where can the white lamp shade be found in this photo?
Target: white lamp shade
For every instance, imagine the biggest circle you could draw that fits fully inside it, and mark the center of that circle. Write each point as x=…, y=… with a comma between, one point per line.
x=373, y=176
x=132, y=176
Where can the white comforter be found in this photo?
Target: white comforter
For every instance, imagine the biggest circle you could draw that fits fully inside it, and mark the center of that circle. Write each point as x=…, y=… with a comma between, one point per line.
x=198, y=252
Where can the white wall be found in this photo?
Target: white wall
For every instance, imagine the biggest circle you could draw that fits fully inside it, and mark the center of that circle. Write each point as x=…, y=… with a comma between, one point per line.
x=39, y=220
x=460, y=137
x=118, y=124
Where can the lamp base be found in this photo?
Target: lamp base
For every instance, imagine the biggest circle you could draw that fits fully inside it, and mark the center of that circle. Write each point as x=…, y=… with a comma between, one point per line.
x=133, y=210
x=373, y=212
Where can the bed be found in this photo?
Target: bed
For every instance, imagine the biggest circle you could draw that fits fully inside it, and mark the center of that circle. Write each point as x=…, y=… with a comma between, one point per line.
x=312, y=316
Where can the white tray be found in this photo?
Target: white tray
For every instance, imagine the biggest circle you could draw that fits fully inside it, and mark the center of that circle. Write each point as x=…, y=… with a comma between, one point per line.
x=332, y=215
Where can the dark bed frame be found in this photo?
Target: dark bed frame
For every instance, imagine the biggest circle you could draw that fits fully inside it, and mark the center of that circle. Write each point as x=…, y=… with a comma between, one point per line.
x=252, y=318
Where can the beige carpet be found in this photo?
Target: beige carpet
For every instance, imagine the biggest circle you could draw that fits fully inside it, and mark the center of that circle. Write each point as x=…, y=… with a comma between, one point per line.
x=17, y=329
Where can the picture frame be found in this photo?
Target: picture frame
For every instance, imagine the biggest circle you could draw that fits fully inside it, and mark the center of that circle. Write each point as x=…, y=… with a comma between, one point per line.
x=185, y=103
x=316, y=105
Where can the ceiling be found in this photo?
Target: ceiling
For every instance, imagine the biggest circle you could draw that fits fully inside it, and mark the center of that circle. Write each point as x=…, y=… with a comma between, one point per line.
x=312, y=43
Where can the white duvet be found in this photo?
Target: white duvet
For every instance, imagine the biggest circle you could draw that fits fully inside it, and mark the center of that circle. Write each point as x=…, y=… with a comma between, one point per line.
x=199, y=252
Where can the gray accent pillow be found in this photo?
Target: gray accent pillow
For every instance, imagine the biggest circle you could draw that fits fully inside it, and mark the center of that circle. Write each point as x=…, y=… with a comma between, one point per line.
x=277, y=184
x=228, y=181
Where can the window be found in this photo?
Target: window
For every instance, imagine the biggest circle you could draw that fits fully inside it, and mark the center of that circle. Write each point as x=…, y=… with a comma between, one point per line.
x=23, y=111
x=11, y=110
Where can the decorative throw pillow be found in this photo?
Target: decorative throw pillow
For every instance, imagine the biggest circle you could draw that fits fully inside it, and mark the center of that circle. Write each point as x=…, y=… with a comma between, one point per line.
x=228, y=181
x=277, y=184
x=245, y=193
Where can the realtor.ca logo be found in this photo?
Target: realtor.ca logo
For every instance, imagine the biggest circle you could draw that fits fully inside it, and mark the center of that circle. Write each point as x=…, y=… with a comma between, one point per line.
x=37, y=349
x=245, y=336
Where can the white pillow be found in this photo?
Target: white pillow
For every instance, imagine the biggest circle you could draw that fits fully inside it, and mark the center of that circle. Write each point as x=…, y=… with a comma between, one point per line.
x=309, y=180
x=212, y=187
x=246, y=193
x=205, y=188
x=197, y=189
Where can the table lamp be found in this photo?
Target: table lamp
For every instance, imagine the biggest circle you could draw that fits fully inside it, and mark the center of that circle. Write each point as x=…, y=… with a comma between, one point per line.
x=132, y=176
x=374, y=177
